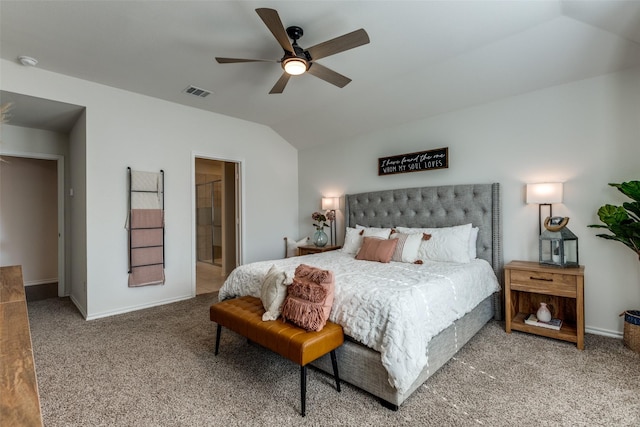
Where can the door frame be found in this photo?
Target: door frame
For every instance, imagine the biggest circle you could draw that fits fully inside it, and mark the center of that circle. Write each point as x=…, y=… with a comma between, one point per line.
x=61, y=209
x=240, y=214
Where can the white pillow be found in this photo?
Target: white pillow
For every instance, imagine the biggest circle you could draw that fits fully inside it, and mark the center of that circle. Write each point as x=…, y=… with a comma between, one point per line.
x=273, y=292
x=407, y=247
x=292, y=246
x=473, y=238
x=448, y=244
x=352, y=241
x=382, y=233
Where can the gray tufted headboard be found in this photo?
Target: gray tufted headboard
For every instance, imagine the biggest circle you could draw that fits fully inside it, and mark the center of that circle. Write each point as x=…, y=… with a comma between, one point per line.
x=440, y=206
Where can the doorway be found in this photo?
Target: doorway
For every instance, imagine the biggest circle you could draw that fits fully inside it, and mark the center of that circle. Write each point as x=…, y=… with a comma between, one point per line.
x=31, y=196
x=217, y=222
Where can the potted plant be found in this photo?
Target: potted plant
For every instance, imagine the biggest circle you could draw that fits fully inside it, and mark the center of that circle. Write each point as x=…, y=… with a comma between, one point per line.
x=624, y=224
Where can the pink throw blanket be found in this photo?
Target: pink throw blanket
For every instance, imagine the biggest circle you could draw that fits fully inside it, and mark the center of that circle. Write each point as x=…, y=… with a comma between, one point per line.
x=141, y=238
x=147, y=266
x=147, y=218
x=146, y=256
x=149, y=275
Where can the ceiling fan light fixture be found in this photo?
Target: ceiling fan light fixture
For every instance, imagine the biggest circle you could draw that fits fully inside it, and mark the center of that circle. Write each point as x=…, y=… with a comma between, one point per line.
x=294, y=66
x=296, y=60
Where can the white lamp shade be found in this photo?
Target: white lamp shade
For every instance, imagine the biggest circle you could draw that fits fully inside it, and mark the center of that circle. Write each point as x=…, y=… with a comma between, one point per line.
x=330, y=203
x=544, y=193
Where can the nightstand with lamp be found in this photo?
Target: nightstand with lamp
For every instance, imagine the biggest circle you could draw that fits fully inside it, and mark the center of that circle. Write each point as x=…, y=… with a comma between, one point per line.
x=303, y=247
x=329, y=205
x=556, y=281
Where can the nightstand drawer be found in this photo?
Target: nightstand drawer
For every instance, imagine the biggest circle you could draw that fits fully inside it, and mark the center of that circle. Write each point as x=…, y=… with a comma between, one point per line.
x=544, y=282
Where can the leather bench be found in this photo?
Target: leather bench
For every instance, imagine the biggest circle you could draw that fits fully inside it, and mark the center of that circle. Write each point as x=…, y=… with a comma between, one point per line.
x=243, y=315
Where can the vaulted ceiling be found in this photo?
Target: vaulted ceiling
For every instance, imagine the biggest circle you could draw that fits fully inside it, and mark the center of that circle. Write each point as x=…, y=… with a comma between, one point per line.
x=425, y=57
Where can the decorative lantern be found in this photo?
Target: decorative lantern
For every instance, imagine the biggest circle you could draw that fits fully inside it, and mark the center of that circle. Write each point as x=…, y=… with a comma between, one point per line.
x=558, y=245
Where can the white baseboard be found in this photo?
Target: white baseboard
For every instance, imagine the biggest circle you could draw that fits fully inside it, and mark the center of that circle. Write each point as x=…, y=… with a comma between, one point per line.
x=136, y=307
x=603, y=332
x=41, y=282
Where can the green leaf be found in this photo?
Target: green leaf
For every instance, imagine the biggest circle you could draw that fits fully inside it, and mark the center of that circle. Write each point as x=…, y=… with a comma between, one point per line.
x=608, y=237
x=633, y=207
x=631, y=189
x=611, y=215
x=625, y=242
x=623, y=221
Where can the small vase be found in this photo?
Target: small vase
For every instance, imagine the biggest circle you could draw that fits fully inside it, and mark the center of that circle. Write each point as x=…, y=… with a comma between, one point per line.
x=543, y=314
x=320, y=238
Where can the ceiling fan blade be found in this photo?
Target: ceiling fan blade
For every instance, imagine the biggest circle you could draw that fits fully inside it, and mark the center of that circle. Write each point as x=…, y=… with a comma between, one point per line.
x=328, y=75
x=339, y=44
x=280, y=84
x=272, y=20
x=234, y=60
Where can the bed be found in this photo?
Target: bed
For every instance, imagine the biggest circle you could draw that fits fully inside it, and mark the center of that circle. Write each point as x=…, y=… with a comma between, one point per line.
x=368, y=366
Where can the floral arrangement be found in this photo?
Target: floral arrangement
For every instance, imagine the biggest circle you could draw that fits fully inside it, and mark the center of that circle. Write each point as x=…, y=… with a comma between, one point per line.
x=320, y=220
x=331, y=215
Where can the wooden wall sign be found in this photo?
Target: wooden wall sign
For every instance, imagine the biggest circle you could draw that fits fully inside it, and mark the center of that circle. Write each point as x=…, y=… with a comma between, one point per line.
x=414, y=162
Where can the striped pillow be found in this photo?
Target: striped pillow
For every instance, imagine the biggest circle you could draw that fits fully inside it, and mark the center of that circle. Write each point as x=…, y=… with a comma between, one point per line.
x=407, y=247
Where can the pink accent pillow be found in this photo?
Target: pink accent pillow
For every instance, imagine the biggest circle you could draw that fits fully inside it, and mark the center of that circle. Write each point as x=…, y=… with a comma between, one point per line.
x=374, y=249
x=309, y=298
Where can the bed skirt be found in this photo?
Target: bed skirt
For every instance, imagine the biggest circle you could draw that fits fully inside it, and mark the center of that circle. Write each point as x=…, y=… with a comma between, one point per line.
x=362, y=367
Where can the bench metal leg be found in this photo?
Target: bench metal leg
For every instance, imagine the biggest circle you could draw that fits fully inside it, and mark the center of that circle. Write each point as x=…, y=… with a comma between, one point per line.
x=303, y=389
x=334, y=362
x=218, y=331
x=303, y=382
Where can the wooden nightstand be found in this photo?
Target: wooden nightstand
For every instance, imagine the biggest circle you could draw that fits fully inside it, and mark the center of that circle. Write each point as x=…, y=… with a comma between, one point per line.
x=527, y=284
x=312, y=249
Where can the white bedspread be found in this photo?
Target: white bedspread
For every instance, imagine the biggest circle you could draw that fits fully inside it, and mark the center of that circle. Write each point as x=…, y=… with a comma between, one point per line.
x=393, y=308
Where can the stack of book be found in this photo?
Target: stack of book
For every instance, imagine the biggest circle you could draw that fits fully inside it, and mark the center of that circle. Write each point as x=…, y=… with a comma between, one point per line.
x=551, y=324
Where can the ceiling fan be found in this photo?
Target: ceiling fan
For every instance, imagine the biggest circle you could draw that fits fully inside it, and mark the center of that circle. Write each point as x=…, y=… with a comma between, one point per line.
x=297, y=60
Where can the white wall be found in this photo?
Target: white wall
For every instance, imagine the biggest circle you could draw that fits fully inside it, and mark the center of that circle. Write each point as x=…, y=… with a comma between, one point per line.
x=21, y=140
x=29, y=217
x=126, y=129
x=585, y=134
x=77, y=210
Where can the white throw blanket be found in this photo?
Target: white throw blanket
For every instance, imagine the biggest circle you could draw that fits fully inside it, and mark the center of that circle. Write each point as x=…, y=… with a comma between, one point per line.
x=393, y=308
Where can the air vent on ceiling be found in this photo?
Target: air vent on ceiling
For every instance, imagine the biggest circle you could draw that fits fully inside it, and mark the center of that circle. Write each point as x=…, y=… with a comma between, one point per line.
x=196, y=91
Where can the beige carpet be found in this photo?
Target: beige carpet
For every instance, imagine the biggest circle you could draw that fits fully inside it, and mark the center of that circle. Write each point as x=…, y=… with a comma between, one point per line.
x=156, y=367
